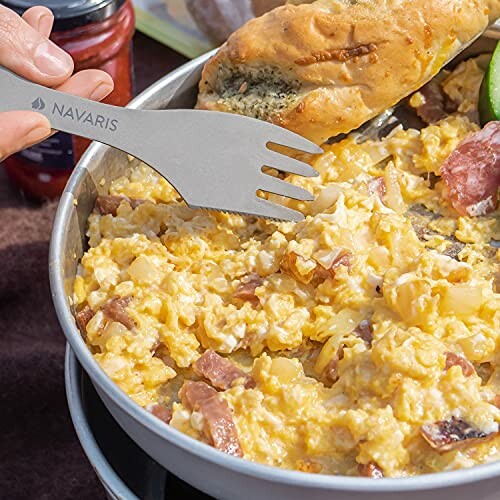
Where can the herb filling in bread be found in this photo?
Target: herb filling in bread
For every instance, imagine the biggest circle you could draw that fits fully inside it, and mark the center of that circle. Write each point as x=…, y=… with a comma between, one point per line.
x=258, y=92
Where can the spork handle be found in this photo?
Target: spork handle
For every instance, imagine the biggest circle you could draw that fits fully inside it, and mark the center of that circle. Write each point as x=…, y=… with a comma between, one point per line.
x=110, y=125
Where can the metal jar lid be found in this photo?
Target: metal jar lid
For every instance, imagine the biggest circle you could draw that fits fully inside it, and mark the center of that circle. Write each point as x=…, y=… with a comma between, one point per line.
x=70, y=14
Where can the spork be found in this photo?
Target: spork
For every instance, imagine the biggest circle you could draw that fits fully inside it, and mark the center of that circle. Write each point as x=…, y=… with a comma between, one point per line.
x=214, y=160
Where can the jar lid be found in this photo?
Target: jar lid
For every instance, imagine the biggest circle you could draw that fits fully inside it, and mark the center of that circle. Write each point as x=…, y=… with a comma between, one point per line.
x=70, y=14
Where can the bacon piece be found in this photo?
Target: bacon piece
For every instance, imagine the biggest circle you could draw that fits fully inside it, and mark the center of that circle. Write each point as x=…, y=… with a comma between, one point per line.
x=472, y=172
x=371, y=469
x=484, y=371
x=160, y=351
x=453, y=249
x=433, y=108
x=447, y=435
x=330, y=373
x=343, y=259
x=116, y=309
x=108, y=205
x=246, y=290
x=219, y=426
x=365, y=331
x=221, y=373
x=161, y=412
x=83, y=317
x=377, y=186
x=289, y=266
x=496, y=400
x=496, y=282
x=192, y=393
x=453, y=359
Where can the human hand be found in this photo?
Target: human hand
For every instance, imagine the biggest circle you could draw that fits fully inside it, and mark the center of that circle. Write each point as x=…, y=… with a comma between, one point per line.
x=26, y=50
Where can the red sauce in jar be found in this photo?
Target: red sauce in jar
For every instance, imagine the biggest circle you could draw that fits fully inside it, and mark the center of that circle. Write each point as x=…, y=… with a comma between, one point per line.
x=97, y=35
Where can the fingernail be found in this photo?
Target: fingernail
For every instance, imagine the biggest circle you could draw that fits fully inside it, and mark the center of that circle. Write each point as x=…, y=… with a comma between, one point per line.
x=45, y=24
x=51, y=60
x=36, y=135
x=101, y=91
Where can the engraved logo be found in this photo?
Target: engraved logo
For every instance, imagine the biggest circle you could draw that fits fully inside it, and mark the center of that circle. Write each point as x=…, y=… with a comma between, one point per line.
x=38, y=104
x=83, y=116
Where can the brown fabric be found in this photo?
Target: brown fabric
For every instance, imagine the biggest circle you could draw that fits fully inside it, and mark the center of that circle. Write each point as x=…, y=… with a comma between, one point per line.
x=39, y=453
x=40, y=456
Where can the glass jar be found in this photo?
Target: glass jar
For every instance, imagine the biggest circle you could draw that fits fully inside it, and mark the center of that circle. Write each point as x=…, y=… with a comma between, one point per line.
x=98, y=35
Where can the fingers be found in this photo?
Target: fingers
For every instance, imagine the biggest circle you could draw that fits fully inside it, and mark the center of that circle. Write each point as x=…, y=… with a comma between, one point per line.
x=21, y=129
x=41, y=19
x=90, y=83
x=26, y=50
x=29, y=53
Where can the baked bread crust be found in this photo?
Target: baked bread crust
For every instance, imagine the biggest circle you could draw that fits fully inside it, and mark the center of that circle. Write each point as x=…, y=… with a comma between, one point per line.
x=325, y=68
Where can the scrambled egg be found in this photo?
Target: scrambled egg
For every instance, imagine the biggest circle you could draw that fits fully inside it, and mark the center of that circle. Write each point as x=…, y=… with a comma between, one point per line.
x=422, y=277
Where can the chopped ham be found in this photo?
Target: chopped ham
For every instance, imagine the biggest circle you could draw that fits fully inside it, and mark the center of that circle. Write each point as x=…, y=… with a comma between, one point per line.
x=472, y=172
x=192, y=393
x=371, y=469
x=330, y=373
x=246, y=290
x=343, y=259
x=447, y=435
x=484, y=371
x=496, y=282
x=83, y=317
x=377, y=186
x=453, y=249
x=221, y=373
x=290, y=264
x=116, y=309
x=433, y=108
x=108, y=205
x=453, y=359
x=365, y=331
x=161, y=412
x=160, y=351
x=219, y=427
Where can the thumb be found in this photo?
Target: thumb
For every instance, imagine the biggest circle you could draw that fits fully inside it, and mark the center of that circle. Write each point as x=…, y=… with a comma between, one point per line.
x=21, y=129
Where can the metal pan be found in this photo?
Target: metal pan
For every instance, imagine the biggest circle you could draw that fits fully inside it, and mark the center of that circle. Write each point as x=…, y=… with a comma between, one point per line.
x=200, y=465
x=125, y=471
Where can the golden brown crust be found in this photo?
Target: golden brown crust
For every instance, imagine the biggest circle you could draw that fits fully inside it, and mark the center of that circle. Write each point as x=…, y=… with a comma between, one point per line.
x=331, y=65
x=493, y=10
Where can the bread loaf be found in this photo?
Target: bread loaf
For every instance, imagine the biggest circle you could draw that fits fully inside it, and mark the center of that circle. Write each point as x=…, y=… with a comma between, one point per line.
x=326, y=67
x=493, y=10
x=220, y=18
